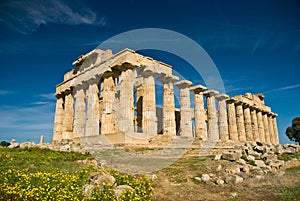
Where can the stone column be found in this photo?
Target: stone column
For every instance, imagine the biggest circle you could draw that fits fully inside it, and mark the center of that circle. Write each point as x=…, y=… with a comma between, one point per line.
x=271, y=129
x=80, y=112
x=58, y=119
x=266, y=127
x=126, y=109
x=92, y=121
x=213, y=131
x=276, y=137
x=149, y=122
x=233, y=134
x=200, y=113
x=169, y=124
x=248, y=124
x=68, y=115
x=139, y=105
x=108, y=122
x=223, y=121
x=255, y=132
x=240, y=122
x=261, y=129
x=185, y=108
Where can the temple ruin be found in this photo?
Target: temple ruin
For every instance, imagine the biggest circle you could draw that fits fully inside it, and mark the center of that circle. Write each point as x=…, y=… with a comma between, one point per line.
x=113, y=95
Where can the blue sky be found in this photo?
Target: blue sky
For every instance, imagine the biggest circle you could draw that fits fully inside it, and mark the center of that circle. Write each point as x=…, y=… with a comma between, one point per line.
x=254, y=44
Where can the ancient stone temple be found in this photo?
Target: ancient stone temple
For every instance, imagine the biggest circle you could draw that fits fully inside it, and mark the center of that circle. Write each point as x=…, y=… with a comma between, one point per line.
x=113, y=95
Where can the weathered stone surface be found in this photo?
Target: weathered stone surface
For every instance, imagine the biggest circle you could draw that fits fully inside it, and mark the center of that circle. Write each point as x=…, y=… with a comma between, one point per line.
x=205, y=177
x=110, y=94
x=231, y=156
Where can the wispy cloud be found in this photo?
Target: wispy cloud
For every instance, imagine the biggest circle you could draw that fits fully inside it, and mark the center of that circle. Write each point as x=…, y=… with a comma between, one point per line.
x=49, y=96
x=283, y=88
x=5, y=92
x=26, y=16
x=32, y=118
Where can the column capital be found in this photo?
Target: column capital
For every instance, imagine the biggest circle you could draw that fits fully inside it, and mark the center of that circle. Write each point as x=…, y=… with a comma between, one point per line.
x=210, y=93
x=60, y=95
x=164, y=78
x=110, y=73
x=183, y=84
x=231, y=100
x=146, y=72
x=254, y=107
x=198, y=88
x=221, y=97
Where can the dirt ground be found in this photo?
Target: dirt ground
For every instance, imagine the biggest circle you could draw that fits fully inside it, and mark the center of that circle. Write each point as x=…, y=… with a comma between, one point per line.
x=177, y=182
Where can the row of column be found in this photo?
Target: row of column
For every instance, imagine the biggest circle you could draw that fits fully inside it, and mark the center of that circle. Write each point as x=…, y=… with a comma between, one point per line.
x=78, y=112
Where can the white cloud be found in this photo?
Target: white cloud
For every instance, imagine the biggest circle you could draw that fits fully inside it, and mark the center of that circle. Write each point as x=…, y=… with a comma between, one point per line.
x=38, y=117
x=49, y=96
x=5, y=92
x=26, y=16
x=283, y=88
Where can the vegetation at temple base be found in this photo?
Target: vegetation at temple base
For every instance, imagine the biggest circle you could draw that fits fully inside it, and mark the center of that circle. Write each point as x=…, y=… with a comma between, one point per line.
x=293, y=132
x=43, y=174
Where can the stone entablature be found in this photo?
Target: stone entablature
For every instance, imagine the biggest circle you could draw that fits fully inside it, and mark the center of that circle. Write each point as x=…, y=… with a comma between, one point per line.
x=114, y=94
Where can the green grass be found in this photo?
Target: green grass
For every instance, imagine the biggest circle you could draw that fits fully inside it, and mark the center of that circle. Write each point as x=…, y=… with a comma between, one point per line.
x=43, y=174
x=287, y=157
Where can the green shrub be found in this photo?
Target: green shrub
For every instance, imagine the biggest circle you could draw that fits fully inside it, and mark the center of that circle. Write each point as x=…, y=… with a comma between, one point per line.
x=4, y=144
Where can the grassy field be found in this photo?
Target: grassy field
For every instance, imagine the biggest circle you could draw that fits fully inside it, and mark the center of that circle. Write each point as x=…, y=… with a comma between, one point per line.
x=42, y=174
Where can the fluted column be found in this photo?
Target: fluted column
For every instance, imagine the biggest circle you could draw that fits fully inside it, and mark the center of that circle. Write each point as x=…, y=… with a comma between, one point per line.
x=276, y=137
x=139, y=106
x=169, y=124
x=271, y=129
x=108, y=121
x=68, y=115
x=261, y=129
x=233, y=134
x=185, y=108
x=126, y=108
x=80, y=112
x=240, y=122
x=248, y=126
x=199, y=111
x=58, y=119
x=223, y=121
x=92, y=121
x=255, y=132
x=266, y=127
x=213, y=131
x=149, y=122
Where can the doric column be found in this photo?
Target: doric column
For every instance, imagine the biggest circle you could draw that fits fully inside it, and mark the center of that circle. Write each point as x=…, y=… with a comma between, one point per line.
x=108, y=124
x=126, y=108
x=276, y=137
x=149, y=122
x=266, y=127
x=248, y=125
x=58, y=119
x=80, y=112
x=139, y=104
x=68, y=115
x=233, y=134
x=169, y=124
x=200, y=113
x=240, y=122
x=255, y=132
x=223, y=121
x=213, y=131
x=92, y=121
x=261, y=129
x=271, y=129
x=185, y=108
